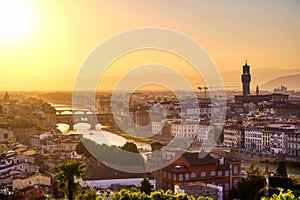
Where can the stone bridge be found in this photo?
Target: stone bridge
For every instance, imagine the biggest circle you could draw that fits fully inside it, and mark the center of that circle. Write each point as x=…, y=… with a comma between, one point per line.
x=90, y=118
x=75, y=111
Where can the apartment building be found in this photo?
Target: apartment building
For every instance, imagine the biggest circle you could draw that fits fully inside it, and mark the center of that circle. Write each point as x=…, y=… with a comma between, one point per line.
x=194, y=168
x=234, y=136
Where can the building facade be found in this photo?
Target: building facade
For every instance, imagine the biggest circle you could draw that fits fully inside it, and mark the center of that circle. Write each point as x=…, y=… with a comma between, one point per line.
x=194, y=168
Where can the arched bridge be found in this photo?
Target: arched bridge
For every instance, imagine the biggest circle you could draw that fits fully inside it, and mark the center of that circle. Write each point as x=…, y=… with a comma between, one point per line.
x=88, y=117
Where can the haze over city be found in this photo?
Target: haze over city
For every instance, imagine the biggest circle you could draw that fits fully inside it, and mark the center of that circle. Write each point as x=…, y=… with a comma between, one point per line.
x=44, y=43
x=149, y=99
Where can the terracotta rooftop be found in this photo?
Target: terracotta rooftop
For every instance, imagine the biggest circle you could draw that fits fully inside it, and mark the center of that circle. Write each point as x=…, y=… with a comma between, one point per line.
x=195, y=159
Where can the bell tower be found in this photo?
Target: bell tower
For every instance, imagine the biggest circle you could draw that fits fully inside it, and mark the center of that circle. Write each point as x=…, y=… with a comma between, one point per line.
x=246, y=78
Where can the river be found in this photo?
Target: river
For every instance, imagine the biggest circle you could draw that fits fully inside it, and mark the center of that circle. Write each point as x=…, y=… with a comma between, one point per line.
x=100, y=136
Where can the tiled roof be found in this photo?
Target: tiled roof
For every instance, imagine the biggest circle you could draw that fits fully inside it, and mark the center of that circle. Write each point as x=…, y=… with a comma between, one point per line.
x=195, y=159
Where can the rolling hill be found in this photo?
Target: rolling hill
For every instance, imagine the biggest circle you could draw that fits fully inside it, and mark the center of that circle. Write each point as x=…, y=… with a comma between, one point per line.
x=292, y=82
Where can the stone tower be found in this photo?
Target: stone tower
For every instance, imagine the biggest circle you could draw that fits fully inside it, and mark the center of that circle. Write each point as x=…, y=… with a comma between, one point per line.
x=246, y=79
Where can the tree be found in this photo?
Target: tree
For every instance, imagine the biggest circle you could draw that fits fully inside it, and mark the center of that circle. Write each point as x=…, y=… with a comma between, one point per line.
x=146, y=186
x=67, y=173
x=81, y=149
x=253, y=169
x=281, y=180
x=131, y=147
x=249, y=187
x=281, y=169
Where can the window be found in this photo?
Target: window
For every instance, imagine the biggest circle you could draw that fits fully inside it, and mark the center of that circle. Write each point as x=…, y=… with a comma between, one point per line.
x=226, y=186
x=212, y=173
x=5, y=136
x=203, y=174
x=174, y=177
x=236, y=170
x=169, y=175
x=187, y=176
x=180, y=177
x=193, y=175
x=235, y=182
x=165, y=175
x=226, y=173
x=219, y=173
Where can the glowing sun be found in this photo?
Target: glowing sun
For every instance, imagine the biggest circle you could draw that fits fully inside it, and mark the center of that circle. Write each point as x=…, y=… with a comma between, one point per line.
x=17, y=20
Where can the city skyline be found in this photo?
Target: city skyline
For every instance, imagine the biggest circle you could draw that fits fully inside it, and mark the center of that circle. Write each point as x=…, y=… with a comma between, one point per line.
x=43, y=44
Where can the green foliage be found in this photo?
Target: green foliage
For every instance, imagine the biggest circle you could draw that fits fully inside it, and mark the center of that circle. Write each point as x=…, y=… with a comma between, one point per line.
x=253, y=169
x=253, y=186
x=130, y=147
x=81, y=149
x=146, y=186
x=281, y=179
x=288, y=195
x=67, y=172
x=281, y=169
x=204, y=198
x=88, y=195
x=136, y=194
x=111, y=154
x=249, y=187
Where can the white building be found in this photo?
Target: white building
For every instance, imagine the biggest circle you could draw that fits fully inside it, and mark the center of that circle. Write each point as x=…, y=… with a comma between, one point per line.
x=11, y=164
x=279, y=137
x=254, y=139
x=294, y=142
x=156, y=127
x=181, y=129
x=202, y=133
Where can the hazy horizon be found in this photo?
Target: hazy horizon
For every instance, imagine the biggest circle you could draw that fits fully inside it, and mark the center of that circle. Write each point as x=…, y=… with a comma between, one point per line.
x=43, y=44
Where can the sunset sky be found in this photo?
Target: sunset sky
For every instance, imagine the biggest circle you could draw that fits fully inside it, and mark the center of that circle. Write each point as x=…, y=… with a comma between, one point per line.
x=44, y=43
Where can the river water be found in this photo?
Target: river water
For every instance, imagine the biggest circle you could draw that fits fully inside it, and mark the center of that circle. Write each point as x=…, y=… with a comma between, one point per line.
x=99, y=136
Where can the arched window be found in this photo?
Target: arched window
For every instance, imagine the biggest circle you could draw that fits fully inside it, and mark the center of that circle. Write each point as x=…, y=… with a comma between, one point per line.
x=212, y=173
x=193, y=175
x=203, y=174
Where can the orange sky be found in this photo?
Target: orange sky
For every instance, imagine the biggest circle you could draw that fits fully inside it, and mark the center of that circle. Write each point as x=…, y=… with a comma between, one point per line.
x=44, y=43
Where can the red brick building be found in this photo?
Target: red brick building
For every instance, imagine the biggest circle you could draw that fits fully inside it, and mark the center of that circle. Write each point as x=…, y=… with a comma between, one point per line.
x=195, y=168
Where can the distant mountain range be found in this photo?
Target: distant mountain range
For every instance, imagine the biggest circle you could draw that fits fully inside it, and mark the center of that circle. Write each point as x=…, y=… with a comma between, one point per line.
x=292, y=82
